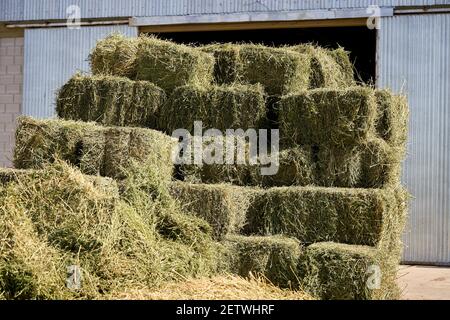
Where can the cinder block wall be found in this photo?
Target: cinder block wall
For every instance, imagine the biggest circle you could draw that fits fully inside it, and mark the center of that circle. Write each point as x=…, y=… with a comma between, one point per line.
x=11, y=79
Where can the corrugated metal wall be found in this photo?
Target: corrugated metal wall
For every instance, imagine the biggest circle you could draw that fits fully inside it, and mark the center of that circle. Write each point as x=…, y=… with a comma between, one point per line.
x=11, y=10
x=52, y=56
x=56, y=9
x=413, y=56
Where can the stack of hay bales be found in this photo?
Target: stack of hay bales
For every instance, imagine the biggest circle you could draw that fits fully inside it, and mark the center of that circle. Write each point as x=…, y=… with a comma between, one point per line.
x=335, y=208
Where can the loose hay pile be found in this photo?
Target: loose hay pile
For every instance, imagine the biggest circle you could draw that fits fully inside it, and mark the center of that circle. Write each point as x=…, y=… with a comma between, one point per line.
x=116, y=239
x=298, y=228
x=216, y=288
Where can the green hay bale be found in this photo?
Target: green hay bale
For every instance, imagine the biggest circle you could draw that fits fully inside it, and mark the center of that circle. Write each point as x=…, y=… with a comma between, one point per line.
x=326, y=70
x=219, y=107
x=41, y=141
x=343, y=272
x=94, y=149
x=228, y=66
x=341, y=118
x=278, y=70
x=110, y=101
x=342, y=57
x=338, y=167
x=392, y=119
x=296, y=167
x=223, y=206
x=115, y=55
x=171, y=65
x=275, y=258
x=314, y=214
x=381, y=164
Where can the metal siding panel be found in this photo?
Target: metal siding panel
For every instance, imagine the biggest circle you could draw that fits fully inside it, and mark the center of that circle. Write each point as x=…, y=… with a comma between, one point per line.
x=52, y=56
x=11, y=10
x=413, y=56
x=56, y=9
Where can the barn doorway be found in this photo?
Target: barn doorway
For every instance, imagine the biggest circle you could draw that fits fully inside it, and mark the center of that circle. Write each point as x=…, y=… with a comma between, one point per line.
x=360, y=41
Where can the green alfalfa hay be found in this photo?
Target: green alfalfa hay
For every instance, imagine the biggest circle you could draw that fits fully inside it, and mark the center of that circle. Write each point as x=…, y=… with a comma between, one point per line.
x=29, y=267
x=92, y=148
x=335, y=271
x=296, y=168
x=41, y=141
x=329, y=68
x=110, y=100
x=337, y=166
x=115, y=55
x=314, y=214
x=392, y=119
x=342, y=57
x=380, y=165
x=342, y=271
x=278, y=70
x=228, y=66
x=170, y=65
x=219, y=107
x=338, y=117
x=223, y=206
x=276, y=258
x=138, y=238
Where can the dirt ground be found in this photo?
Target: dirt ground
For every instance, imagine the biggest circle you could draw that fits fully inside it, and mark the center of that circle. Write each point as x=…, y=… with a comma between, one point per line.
x=424, y=282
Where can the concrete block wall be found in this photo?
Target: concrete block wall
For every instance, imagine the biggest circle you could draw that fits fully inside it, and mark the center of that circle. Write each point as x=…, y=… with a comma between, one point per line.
x=11, y=79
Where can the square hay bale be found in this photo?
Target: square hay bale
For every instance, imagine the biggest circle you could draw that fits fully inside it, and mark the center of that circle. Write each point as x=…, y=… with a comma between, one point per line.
x=218, y=107
x=115, y=55
x=223, y=206
x=296, y=168
x=334, y=271
x=92, y=148
x=275, y=258
x=392, y=118
x=110, y=100
x=342, y=57
x=315, y=214
x=338, y=166
x=278, y=70
x=380, y=165
x=339, y=117
x=170, y=65
x=326, y=70
x=42, y=141
x=228, y=66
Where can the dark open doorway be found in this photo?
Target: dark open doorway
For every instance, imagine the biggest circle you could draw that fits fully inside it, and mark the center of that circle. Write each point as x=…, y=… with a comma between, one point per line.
x=360, y=41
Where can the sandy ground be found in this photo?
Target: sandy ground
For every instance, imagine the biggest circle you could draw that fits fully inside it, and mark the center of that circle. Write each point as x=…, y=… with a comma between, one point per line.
x=424, y=283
